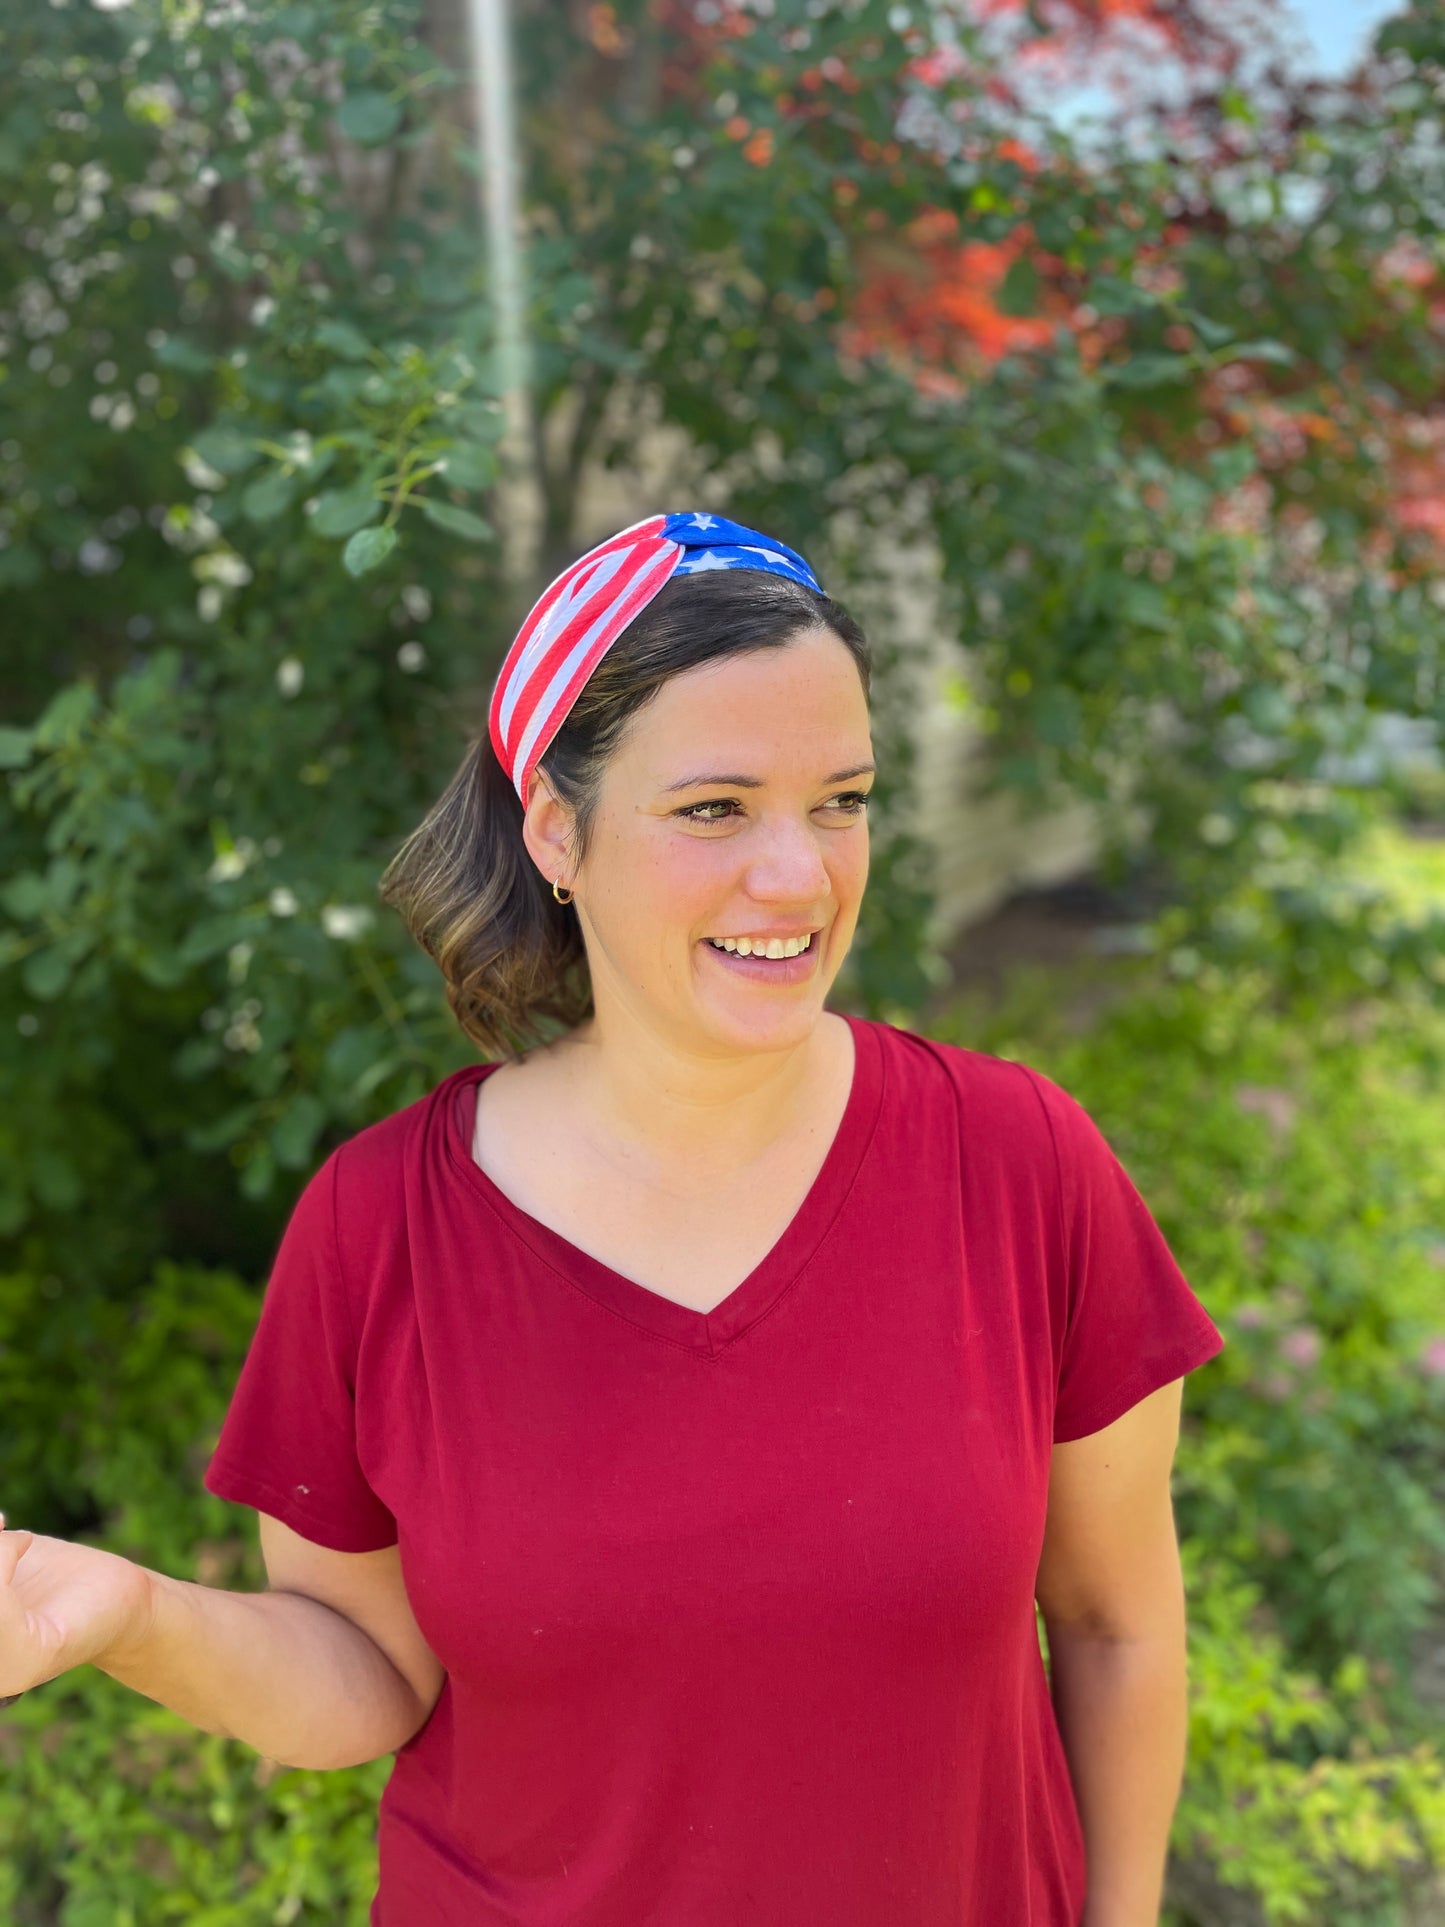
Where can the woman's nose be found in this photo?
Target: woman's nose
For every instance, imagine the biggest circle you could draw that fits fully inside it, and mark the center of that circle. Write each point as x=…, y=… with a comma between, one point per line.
x=787, y=865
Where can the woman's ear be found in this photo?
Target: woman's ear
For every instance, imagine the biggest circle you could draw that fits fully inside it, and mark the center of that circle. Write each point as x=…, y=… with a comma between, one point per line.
x=547, y=832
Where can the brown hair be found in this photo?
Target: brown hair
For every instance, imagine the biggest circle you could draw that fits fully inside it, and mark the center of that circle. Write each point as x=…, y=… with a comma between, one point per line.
x=464, y=882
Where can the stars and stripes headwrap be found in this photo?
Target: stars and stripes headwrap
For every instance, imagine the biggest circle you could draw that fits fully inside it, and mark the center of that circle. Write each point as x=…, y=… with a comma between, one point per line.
x=577, y=618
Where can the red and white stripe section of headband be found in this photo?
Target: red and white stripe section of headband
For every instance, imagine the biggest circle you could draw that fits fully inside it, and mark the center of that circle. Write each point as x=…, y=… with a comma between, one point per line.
x=567, y=632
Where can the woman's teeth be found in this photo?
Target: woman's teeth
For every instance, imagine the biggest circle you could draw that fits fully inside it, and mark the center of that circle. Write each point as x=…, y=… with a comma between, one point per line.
x=774, y=947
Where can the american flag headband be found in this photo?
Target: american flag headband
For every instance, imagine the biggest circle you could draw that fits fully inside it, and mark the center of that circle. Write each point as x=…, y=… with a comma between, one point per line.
x=577, y=618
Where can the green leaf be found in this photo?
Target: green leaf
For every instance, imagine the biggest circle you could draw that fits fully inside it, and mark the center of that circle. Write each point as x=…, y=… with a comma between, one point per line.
x=443, y=283
x=220, y=1133
x=470, y=465
x=210, y=936
x=319, y=462
x=344, y=340
x=19, y=135
x=295, y=23
x=1268, y=708
x=222, y=446
x=341, y=385
x=1277, y=351
x=1236, y=105
x=163, y=968
x=27, y=895
x=341, y=511
x=456, y=521
x=184, y=356
x=66, y=715
x=57, y=1183
x=20, y=565
x=1152, y=371
x=259, y=1174
x=1228, y=467
x=366, y=549
x=1212, y=333
x=264, y=500
x=15, y=747
x=293, y=1137
x=1146, y=607
x=1110, y=294
x=369, y=117
x=45, y=973
x=482, y=420
x=351, y=1053
x=1019, y=292
x=1058, y=717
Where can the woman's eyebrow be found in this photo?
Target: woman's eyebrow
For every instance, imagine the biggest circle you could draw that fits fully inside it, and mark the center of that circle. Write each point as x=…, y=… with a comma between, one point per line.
x=756, y=782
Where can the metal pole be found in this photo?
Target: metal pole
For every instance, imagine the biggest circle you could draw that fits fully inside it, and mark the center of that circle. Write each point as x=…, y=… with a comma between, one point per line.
x=519, y=489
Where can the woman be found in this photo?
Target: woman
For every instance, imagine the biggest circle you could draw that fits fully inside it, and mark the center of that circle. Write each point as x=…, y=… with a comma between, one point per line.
x=661, y=1434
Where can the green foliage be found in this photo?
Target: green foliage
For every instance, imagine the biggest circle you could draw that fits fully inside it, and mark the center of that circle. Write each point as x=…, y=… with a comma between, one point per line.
x=111, y=1808
x=1297, y=1795
x=249, y=547
x=250, y=558
x=114, y=1813
x=1290, y=1150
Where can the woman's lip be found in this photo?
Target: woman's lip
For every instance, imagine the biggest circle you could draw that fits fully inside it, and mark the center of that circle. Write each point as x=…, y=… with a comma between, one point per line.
x=776, y=970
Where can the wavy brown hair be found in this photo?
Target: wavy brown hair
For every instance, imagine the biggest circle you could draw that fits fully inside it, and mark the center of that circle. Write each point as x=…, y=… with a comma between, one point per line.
x=467, y=888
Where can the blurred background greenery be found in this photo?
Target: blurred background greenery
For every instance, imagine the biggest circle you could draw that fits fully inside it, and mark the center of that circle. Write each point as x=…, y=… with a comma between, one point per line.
x=1135, y=330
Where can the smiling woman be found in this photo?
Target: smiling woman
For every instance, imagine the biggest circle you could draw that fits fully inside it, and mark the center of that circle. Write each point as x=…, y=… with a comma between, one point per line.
x=664, y=1431
x=473, y=881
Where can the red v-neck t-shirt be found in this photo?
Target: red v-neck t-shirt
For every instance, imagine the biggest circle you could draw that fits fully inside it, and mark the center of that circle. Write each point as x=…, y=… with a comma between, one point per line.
x=736, y=1607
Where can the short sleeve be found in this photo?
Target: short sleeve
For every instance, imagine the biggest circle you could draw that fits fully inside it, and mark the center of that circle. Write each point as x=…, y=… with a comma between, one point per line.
x=287, y=1445
x=1131, y=1321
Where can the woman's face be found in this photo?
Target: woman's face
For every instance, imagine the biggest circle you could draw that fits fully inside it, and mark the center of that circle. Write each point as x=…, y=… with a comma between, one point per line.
x=733, y=809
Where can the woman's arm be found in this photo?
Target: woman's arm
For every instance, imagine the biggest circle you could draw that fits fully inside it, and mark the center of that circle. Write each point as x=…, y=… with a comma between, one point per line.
x=1112, y=1596
x=291, y=1675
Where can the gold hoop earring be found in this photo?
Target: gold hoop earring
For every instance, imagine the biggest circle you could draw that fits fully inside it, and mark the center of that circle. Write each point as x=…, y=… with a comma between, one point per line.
x=557, y=893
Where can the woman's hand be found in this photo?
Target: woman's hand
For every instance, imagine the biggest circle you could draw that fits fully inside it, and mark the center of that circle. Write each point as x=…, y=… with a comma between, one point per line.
x=63, y=1605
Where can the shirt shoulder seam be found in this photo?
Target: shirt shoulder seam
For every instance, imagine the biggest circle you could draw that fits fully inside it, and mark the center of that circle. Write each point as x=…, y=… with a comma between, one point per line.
x=347, y=1311
x=1033, y=1083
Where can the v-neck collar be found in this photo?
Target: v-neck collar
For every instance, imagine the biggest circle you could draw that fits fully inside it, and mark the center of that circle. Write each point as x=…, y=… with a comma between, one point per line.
x=701, y=1331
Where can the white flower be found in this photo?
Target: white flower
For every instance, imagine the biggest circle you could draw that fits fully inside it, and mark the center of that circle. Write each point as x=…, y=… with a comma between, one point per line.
x=97, y=558
x=411, y=657
x=282, y=902
x=290, y=674
x=345, y=920
x=242, y=1034
x=229, y=865
x=233, y=862
x=223, y=566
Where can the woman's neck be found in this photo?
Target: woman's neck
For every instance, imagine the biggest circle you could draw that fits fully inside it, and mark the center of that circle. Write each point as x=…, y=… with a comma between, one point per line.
x=648, y=1106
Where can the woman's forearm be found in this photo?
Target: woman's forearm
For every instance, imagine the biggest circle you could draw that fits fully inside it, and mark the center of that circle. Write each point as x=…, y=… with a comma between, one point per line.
x=1122, y=1709
x=291, y=1677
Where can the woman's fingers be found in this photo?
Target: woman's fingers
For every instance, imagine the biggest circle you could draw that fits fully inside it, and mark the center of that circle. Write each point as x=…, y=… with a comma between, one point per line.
x=13, y=1548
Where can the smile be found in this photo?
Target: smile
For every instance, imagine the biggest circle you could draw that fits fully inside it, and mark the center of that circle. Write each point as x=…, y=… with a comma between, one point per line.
x=773, y=947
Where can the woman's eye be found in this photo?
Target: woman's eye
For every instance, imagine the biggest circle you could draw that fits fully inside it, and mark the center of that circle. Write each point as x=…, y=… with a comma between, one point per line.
x=851, y=802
